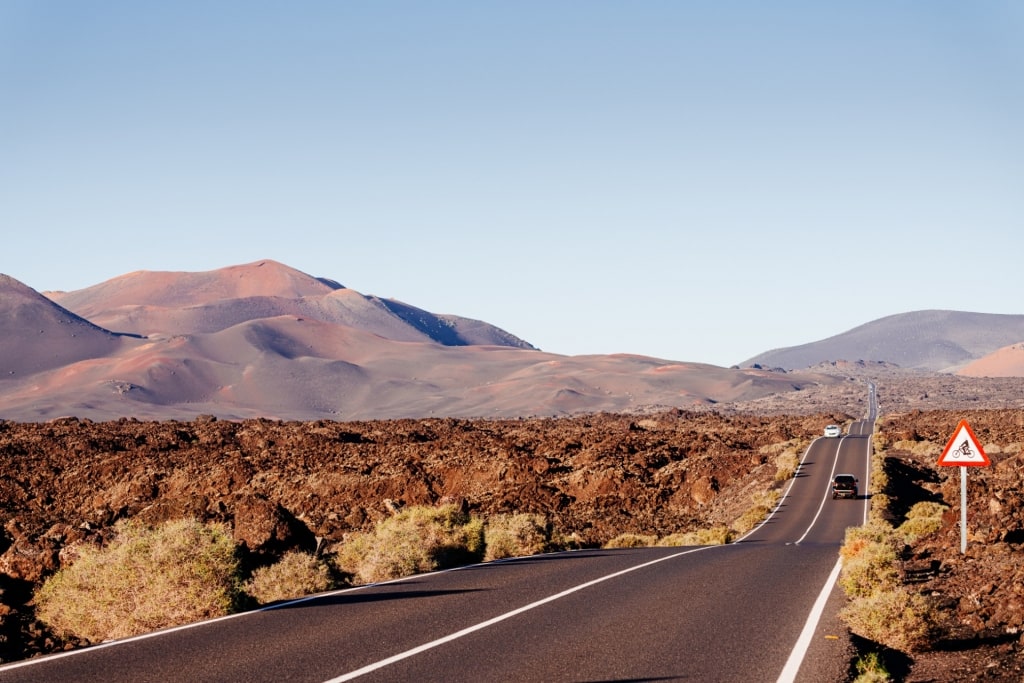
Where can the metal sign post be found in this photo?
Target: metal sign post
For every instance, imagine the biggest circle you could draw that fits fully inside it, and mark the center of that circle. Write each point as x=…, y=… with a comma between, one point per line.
x=963, y=450
x=963, y=509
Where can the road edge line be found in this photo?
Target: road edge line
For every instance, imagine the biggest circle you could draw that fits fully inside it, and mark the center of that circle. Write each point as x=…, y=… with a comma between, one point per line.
x=796, y=657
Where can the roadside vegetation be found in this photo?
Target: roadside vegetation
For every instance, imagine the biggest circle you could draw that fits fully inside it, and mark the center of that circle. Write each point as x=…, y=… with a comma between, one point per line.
x=517, y=535
x=880, y=608
x=763, y=504
x=150, y=577
x=181, y=571
x=146, y=578
x=413, y=541
x=787, y=459
x=294, y=575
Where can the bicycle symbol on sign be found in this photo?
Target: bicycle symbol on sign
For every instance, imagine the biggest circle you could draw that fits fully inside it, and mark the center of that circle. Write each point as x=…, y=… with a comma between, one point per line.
x=964, y=451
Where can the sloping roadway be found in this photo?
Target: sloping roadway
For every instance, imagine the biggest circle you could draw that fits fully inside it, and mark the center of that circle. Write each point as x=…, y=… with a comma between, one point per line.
x=716, y=613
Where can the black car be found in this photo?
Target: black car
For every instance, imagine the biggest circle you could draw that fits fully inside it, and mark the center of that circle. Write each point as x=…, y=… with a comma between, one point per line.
x=844, y=486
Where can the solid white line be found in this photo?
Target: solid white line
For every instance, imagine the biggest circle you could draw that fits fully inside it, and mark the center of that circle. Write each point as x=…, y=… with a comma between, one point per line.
x=796, y=657
x=171, y=629
x=501, y=617
x=782, y=498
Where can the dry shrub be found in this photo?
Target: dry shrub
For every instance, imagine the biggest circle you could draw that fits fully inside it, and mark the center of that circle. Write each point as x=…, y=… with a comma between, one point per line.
x=786, y=464
x=895, y=618
x=146, y=578
x=718, y=535
x=923, y=518
x=879, y=477
x=780, y=446
x=880, y=608
x=869, y=560
x=632, y=541
x=417, y=539
x=515, y=535
x=763, y=504
x=879, y=442
x=918, y=447
x=879, y=510
x=296, y=574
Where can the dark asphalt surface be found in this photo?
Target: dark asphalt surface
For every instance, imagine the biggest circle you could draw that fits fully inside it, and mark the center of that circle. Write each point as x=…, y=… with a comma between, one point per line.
x=719, y=613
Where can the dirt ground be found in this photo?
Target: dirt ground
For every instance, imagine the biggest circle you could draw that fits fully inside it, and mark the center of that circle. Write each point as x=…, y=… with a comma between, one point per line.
x=979, y=592
x=282, y=485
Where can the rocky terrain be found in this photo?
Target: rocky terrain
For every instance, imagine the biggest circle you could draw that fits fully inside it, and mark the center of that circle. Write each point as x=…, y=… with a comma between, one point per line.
x=286, y=484
x=980, y=593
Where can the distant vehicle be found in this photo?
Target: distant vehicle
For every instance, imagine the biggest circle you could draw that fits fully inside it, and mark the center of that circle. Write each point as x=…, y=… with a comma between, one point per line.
x=833, y=431
x=844, y=486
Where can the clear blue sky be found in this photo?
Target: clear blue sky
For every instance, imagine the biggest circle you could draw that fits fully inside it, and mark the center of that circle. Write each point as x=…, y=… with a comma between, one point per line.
x=697, y=181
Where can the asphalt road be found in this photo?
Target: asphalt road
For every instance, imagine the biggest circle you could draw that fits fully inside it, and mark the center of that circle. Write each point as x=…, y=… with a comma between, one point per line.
x=719, y=613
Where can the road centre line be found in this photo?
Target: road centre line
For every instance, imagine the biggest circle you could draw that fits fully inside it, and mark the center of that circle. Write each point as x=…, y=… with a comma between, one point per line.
x=502, y=617
x=824, y=497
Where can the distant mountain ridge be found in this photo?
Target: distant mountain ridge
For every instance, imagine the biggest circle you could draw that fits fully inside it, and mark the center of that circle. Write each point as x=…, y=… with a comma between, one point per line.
x=934, y=340
x=156, y=302
x=266, y=340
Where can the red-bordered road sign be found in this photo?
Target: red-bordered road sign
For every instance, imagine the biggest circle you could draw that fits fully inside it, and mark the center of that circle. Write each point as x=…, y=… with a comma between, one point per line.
x=964, y=449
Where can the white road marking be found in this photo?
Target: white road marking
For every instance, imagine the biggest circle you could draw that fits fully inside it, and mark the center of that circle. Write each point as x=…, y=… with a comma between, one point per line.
x=502, y=617
x=172, y=629
x=796, y=657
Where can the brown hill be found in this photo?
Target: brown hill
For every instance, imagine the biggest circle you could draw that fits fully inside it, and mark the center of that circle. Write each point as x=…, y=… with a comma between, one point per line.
x=171, y=303
x=264, y=340
x=1005, y=362
x=183, y=289
x=38, y=335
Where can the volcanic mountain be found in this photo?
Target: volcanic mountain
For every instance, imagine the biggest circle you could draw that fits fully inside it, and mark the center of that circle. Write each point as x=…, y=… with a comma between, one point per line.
x=934, y=340
x=266, y=340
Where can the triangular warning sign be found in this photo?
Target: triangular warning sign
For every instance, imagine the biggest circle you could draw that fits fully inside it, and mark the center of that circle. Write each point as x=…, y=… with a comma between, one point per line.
x=963, y=448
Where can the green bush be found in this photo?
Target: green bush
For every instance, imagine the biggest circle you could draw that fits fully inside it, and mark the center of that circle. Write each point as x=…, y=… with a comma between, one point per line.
x=146, y=578
x=417, y=539
x=871, y=669
x=515, y=535
x=296, y=574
